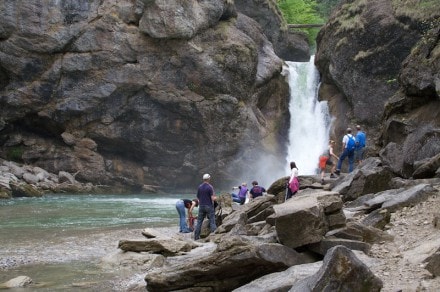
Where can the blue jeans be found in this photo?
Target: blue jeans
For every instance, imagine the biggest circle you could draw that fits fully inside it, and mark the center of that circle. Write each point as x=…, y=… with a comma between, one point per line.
x=205, y=211
x=350, y=155
x=238, y=199
x=180, y=207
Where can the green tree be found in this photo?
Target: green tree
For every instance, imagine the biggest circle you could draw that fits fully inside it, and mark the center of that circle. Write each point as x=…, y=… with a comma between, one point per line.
x=307, y=12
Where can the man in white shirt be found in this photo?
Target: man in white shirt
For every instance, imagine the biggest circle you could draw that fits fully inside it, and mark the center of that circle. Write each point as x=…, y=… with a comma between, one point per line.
x=348, y=146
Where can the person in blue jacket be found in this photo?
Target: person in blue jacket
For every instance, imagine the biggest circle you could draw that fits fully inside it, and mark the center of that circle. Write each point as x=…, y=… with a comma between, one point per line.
x=361, y=141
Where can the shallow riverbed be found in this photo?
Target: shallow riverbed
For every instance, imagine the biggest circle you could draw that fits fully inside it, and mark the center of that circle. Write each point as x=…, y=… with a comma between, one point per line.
x=59, y=240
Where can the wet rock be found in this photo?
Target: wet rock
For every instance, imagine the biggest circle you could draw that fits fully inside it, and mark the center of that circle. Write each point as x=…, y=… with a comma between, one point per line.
x=21, y=189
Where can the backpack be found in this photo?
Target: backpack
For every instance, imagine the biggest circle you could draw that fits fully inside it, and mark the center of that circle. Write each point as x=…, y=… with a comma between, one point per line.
x=351, y=143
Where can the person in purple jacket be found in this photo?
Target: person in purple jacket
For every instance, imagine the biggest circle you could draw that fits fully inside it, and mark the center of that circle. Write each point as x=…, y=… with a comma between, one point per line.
x=242, y=193
x=206, y=196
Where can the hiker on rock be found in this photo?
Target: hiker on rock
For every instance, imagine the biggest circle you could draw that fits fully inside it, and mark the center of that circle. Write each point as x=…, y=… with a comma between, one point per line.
x=206, y=196
x=181, y=205
x=361, y=139
x=348, y=145
x=326, y=159
x=256, y=190
x=293, y=183
x=242, y=193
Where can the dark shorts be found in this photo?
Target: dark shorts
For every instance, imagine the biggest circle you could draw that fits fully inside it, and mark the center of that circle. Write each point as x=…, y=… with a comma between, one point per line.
x=359, y=154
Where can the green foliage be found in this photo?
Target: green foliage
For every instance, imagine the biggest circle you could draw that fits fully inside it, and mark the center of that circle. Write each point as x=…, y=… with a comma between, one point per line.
x=15, y=154
x=302, y=12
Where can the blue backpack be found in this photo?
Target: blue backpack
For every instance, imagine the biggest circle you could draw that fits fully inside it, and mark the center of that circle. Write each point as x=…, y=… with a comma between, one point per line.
x=351, y=143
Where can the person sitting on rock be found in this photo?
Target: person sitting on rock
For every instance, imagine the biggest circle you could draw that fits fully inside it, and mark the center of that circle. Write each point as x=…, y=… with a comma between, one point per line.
x=241, y=196
x=256, y=190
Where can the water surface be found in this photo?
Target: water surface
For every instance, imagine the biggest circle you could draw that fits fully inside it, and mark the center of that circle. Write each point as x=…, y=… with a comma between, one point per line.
x=58, y=240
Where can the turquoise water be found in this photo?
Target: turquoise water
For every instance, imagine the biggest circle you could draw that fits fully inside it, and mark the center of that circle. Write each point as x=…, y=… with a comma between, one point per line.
x=86, y=211
x=58, y=240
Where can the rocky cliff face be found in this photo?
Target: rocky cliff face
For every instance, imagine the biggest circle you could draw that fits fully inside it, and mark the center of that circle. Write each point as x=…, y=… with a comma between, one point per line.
x=135, y=93
x=380, y=64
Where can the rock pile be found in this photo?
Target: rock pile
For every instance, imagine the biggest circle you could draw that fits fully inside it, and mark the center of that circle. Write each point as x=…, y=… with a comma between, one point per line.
x=30, y=181
x=319, y=239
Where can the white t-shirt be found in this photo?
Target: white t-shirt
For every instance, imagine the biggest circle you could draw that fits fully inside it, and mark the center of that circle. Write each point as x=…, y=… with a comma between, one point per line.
x=294, y=173
x=345, y=139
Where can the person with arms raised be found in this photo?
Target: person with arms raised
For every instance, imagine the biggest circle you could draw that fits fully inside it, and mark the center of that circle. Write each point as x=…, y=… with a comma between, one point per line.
x=242, y=193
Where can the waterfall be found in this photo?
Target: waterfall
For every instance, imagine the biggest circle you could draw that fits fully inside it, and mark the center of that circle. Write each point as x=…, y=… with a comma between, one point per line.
x=310, y=120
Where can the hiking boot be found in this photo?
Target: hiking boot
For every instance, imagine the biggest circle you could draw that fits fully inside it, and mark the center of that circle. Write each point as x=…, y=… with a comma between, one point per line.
x=333, y=175
x=322, y=182
x=337, y=172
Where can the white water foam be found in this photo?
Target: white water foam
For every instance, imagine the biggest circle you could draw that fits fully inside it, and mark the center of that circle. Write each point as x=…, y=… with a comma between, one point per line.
x=310, y=120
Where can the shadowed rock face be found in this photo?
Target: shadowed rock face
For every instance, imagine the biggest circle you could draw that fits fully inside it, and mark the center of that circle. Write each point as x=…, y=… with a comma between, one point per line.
x=163, y=96
x=380, y=62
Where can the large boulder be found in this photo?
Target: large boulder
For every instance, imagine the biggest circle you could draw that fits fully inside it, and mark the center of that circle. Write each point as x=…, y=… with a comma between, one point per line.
x=341, y=271
x=291, y=46
x=306, y=218
x=281, y=281
x=370, y=177
x=134, y=93
x=379, y=63
x=177, y=19
x=219, y=271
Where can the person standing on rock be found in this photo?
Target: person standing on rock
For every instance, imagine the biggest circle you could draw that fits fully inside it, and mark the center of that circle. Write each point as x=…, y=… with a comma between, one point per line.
x=361, y=139
x=326, y=159
x=348, y=146
x=181, y=205
x=293, y=183
x=206, y=197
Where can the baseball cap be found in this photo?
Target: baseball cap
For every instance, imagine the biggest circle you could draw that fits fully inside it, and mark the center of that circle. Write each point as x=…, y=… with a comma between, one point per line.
x=206, y=176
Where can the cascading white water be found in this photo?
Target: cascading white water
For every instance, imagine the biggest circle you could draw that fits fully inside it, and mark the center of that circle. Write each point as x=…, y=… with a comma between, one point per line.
x=310, y=120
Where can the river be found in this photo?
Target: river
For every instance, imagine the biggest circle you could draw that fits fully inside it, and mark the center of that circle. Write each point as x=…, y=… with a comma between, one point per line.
x=59, y=240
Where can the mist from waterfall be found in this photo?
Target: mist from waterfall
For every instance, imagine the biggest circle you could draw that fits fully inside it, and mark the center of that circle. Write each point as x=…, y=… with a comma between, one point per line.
x=309, y=119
